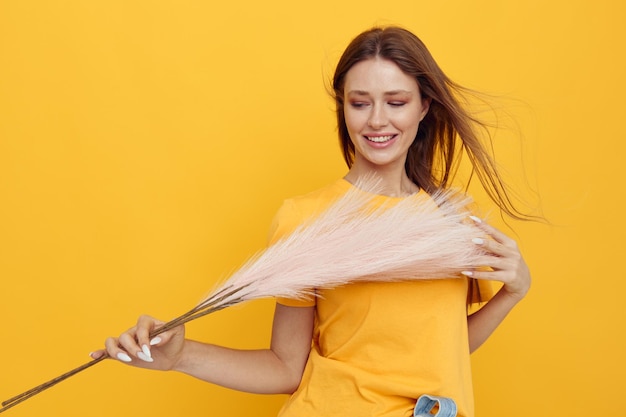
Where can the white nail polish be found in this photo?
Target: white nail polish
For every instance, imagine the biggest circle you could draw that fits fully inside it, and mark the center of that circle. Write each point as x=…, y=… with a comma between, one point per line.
x=143, y=357
x=146, y=351
x=476, y=219
x=123, y=357
x=467, y=273
x=155, y=341
x=478, y=241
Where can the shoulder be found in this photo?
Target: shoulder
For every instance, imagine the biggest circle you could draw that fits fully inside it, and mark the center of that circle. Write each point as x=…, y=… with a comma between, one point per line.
x=294, y=211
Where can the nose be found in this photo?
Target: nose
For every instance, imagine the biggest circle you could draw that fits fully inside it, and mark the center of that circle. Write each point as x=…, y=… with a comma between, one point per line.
x=378, y=117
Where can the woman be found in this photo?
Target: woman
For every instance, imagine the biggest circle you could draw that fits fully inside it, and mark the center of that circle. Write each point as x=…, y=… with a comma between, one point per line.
x=372, y=348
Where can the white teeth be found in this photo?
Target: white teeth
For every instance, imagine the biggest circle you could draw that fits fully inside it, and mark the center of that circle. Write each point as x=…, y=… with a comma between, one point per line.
x=379, y=139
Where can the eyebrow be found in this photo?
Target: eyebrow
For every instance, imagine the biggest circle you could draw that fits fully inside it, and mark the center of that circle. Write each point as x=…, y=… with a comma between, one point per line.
x=387, y=93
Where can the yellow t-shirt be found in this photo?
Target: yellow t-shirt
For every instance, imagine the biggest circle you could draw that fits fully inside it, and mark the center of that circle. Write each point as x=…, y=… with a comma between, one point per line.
x=378, y=346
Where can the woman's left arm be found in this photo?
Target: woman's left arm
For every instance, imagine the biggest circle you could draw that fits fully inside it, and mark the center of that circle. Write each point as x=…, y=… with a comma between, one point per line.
x=507, y=266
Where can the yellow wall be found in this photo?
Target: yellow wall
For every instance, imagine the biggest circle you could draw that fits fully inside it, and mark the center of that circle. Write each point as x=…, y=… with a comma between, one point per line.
x=145, y=145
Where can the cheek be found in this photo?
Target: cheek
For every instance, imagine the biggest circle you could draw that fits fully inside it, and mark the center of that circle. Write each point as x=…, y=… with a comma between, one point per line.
x=410, y=122
x=354, y=121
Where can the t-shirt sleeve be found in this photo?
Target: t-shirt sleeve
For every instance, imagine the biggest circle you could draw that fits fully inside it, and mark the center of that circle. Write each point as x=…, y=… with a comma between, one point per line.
x=286, y=220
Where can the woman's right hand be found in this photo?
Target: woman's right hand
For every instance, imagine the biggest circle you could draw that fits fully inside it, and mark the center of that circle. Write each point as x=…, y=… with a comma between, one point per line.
x=135, y=347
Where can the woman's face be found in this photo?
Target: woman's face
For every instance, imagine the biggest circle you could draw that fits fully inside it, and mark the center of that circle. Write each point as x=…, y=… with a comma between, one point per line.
x=383, y=109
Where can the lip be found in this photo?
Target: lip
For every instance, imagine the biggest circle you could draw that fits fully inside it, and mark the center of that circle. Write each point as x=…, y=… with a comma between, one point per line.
x=380, y=140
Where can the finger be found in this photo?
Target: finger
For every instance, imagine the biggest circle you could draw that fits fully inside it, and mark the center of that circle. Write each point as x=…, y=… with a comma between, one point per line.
x=492, y=247
x=495, y=233
x=145, y=325
x=491, y=273
x=97, y=354
x=163, y=338
x=128, y=342
x=504, y=269
x=487, y=275
x=500, y=262
x=114, y=350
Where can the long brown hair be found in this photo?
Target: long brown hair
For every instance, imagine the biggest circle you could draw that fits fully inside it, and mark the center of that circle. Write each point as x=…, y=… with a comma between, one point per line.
x=446, y=133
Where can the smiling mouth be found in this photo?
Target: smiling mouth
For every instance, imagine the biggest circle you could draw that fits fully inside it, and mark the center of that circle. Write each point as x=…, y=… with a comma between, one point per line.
x=380, y=139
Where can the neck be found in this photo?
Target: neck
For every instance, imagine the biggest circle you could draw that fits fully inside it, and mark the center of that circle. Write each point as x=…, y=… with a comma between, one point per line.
x=394, y=183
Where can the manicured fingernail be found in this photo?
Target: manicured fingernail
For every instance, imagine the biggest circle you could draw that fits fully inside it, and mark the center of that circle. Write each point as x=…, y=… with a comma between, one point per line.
x=467, y=273
x=476, y=219
x=146, y=351
x=143, y=357
x=123, y=357
x=155, y=341
x=478, y=241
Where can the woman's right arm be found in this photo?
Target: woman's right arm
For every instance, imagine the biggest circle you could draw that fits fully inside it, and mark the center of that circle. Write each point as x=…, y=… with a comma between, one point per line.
x=275, y=370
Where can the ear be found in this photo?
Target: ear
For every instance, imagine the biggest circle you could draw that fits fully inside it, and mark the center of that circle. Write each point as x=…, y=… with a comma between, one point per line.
x=425, y=107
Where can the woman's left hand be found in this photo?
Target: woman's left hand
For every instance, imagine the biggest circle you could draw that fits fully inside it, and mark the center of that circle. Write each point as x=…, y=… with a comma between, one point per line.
x=505, y=261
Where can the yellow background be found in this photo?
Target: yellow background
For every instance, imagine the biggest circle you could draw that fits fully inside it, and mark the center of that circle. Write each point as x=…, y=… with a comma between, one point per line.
x=145, y=146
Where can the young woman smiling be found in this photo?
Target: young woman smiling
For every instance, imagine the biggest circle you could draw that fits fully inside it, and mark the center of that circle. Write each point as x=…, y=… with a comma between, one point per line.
x=372, y=349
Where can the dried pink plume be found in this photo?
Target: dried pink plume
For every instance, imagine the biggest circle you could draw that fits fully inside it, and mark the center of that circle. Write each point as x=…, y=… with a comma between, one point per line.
x=356, y=239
